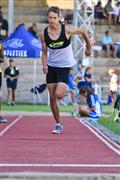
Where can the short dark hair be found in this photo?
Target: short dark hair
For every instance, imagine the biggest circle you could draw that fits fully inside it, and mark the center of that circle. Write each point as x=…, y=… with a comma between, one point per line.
x=106, y=32
x=88, y=68
x=88, y=90
x=11, y=60
x=54, y=9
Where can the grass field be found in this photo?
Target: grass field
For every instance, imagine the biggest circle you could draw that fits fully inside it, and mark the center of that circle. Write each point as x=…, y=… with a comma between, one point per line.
x=106, y=121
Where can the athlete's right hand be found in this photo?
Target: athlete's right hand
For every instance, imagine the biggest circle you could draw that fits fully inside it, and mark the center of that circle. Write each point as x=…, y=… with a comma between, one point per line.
x=45, y=69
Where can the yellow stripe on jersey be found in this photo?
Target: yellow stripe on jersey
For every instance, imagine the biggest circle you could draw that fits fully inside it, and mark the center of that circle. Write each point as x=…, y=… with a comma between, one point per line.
x=0, y=70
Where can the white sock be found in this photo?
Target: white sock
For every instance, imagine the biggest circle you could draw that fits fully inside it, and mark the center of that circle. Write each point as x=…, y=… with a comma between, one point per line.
x=58, y=124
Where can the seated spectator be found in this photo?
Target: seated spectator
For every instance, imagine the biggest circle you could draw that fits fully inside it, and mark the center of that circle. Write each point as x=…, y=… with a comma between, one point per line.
x=94, y=108
x=99, y=11
x=97, y=47
x=116, y=13
x=89, y=80
x=72, y=85
x=108, y=10
x=80, y=81
x=69, y=17
x=108, y=45
x=33, y=30
x=80, y=75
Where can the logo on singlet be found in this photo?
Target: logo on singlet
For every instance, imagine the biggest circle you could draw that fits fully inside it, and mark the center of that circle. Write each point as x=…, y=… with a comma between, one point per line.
x=56, y=45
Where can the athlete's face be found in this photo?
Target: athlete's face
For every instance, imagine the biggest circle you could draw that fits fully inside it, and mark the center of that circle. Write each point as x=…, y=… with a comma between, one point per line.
x=53, y=18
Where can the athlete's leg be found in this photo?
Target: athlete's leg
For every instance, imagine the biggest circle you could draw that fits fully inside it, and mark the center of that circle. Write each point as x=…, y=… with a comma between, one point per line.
x=53, y=102
x=60, y=90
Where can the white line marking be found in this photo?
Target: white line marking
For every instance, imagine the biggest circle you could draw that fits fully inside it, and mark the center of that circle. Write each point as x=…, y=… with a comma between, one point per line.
x=61, y=165
x=100, y=137
x=106, y=137
x=10, y=125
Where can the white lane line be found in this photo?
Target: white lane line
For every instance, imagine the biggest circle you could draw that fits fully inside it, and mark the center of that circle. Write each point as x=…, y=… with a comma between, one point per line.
x=61, y=165
x=100, y=137
x=106, y=137
x=10, y=125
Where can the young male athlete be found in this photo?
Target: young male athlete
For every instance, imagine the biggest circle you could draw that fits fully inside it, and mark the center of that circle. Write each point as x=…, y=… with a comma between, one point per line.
x=56, y=39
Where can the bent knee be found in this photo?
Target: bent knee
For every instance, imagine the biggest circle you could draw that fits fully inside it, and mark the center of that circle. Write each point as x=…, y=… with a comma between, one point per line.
x=59, y=95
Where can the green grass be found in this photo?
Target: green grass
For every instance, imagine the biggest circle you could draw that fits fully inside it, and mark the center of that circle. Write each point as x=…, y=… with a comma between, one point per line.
x=110, y=124
x=105, y=121
x=34, y=108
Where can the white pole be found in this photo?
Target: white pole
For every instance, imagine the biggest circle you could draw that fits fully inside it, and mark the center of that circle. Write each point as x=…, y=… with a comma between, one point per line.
x=34, y=79
x=10, y=16
x=75, y=12
x=75, y=23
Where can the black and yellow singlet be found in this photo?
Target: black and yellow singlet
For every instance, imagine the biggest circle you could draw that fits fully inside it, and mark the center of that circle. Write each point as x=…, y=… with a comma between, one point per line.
x=61, y=42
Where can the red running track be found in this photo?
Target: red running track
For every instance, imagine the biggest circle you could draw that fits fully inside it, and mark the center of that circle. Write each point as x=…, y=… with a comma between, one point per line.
x=27, y=144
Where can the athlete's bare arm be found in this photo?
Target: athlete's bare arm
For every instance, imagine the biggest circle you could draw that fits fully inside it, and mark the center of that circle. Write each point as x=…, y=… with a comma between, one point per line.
x=70, y=30
x=44, y=53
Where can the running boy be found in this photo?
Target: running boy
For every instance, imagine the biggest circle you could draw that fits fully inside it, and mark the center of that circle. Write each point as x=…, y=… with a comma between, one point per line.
x=56, y=38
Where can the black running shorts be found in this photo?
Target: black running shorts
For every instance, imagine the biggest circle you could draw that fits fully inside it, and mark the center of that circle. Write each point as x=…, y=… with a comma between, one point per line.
x=56, y=74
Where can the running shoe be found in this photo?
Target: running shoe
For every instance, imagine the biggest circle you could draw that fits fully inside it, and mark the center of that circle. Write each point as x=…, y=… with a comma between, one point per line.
x=58, y=129
x=2, y=120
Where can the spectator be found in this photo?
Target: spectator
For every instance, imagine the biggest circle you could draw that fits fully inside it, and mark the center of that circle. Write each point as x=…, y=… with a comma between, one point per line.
x=116, y=13
x=108, y=45
x=80, y=81
x=80, y=75
x=72, y=85
x=108, y=10
x=99, y=11
x=69, y=17
x=3, y=28
x=113, y=86
x=11, y=74
x=1, y=14
x=33, y=30
x=94, y=108
x=89, y=80
x=18, y=26
x=97, y=47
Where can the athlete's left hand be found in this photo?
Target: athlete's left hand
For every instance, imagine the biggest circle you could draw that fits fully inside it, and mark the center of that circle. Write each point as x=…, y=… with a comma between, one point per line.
x=88, y=51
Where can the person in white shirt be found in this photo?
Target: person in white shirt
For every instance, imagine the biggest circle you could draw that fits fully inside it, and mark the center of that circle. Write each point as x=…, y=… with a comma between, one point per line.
x=113, y=85
x=115, y=13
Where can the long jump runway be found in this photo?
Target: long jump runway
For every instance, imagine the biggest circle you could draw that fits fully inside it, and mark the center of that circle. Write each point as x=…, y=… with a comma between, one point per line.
x=27, y=145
